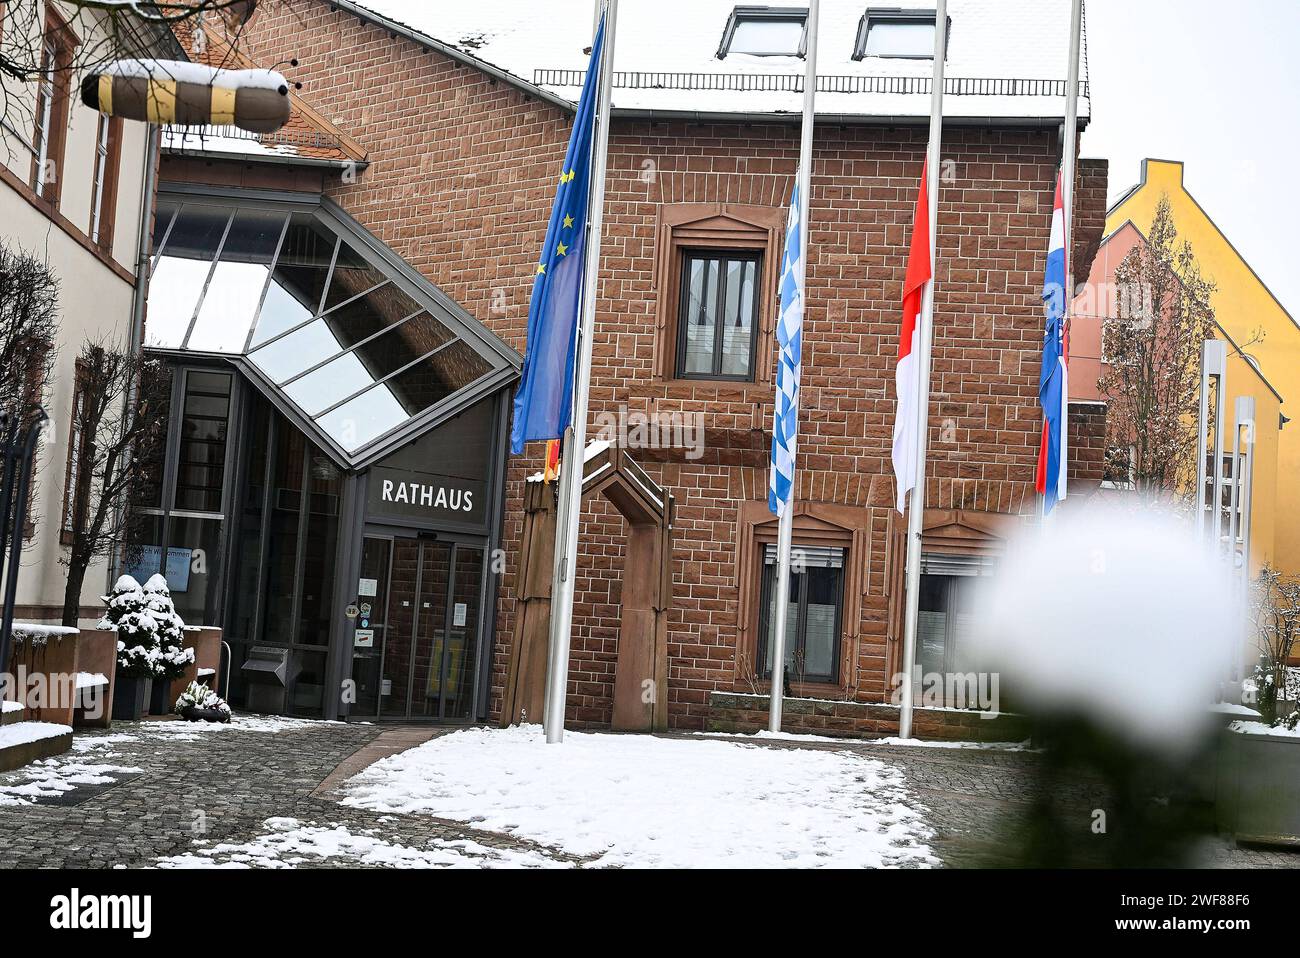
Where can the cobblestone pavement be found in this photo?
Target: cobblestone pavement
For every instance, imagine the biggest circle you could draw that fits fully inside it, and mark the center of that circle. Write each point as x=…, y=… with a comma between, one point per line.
x=152, y=790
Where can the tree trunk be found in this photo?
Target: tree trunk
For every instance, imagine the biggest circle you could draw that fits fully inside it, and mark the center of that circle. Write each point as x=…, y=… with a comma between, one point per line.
x=72, y=592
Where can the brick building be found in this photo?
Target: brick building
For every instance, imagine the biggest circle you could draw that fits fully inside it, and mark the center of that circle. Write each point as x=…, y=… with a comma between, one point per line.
x=430, y=138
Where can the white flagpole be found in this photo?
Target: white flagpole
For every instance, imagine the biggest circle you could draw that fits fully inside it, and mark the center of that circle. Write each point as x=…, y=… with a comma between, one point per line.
x=916, y=506
x=569, y=512
x=786, y=525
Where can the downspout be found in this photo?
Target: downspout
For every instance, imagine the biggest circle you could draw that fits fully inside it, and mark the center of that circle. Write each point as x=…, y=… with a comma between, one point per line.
x=144, y=232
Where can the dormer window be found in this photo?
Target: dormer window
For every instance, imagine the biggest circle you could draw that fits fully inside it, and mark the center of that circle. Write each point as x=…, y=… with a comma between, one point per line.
x=765, y=32
x=897, y=33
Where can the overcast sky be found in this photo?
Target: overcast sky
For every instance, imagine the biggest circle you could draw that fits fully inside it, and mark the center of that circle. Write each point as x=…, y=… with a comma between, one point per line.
x=1216, y=85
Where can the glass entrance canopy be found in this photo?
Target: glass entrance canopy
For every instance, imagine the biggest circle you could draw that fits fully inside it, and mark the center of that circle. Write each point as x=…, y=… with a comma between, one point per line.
x=320, y=314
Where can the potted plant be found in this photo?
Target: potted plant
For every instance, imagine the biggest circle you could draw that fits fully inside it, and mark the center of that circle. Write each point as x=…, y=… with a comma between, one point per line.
x=136, y=647
x=172, y=658
x=200, y=703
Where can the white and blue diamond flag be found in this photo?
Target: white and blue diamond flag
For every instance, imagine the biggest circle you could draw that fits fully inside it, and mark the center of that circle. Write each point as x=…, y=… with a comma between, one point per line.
x=789, y=340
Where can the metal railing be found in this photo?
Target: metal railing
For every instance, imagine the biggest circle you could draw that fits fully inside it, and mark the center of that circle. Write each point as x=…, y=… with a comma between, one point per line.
x=830, y=83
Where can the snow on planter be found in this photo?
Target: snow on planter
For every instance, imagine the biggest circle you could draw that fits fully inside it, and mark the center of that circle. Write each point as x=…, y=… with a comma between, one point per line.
x=174, y=92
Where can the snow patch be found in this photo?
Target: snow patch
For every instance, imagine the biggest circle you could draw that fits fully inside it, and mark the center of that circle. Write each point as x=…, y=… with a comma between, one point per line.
x=23, y=733
x=643, y=801
x=290, y=843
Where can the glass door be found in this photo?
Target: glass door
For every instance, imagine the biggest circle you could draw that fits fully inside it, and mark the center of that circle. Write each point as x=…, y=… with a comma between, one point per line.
x=418, y=629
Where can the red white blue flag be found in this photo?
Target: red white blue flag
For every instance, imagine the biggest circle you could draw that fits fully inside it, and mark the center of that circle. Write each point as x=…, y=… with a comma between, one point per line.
x=1053, y=380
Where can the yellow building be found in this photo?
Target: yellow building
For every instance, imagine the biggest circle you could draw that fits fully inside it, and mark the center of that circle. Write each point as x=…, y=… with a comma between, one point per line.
x=1245, y=309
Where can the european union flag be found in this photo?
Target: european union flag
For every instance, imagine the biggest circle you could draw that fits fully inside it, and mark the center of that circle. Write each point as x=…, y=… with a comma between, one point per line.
x=544, y=402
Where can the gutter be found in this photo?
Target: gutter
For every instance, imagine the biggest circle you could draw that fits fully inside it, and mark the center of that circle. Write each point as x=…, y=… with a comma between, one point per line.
x=280, y=160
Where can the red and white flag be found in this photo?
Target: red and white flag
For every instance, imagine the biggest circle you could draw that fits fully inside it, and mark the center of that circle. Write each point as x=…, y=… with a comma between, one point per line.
x=906, y=376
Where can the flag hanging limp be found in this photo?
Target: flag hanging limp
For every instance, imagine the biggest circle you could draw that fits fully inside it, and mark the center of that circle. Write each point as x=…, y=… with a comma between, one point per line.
x=1053, y=380
x=544, y=400
x=789, y=340
x=906, y=376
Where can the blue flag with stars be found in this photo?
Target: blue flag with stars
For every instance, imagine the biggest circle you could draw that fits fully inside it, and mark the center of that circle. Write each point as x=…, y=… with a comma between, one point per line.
x=544, y=401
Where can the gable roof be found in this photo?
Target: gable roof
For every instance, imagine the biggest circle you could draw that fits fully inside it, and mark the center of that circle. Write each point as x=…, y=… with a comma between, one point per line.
x=1006, y=62
x=307, y=139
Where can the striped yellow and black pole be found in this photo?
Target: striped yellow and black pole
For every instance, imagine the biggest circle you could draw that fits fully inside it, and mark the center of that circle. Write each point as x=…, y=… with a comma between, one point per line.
x=170, y=93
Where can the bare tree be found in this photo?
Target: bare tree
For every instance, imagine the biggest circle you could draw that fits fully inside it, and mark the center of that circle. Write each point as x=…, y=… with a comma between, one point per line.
x=119, y=421
x=107, y=30
x=29, y=320
x=1152, y=349
x=1276, y=610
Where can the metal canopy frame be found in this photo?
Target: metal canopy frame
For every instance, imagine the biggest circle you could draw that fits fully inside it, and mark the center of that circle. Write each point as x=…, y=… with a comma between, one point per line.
x=504, y=362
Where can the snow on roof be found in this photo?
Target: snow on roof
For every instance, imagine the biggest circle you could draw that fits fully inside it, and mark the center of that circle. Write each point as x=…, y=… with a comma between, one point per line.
x=535, y=43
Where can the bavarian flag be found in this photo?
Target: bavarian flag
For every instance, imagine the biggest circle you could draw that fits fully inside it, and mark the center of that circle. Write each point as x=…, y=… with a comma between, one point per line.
x=544, y=401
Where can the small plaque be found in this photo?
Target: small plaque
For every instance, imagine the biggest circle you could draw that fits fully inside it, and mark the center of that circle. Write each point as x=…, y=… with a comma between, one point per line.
x=368, y=587
x=352, y=612
x=458, y=614
x=364, y=638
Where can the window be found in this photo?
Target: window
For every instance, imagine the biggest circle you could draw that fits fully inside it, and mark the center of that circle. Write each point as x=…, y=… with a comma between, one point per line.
x=1119, y=468
x=183, y=517
x=51, y=110
x=945, y=618
x=74, y=497
x=812, y=633
x=765, y=32
x=902, y=34
x=718, y=317
x=697, y=242
x=103, y=190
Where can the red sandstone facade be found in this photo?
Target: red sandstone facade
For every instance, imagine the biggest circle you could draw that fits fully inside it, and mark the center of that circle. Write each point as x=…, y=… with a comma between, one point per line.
x=459, y=183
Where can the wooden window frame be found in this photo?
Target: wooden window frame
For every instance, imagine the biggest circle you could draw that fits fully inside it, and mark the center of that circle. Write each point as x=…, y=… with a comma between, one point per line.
x=814, y=524
x=721, y=227
x=724, y=257
x=51, y=140
x=103, y=183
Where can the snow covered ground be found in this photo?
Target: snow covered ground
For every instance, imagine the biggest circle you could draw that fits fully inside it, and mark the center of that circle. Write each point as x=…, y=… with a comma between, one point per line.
x=641, y=801
x=290, y=843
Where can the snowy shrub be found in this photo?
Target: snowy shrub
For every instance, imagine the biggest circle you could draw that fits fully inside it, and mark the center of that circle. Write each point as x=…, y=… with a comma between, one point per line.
x=198, y=696
x=173, y=657
x=149, y=632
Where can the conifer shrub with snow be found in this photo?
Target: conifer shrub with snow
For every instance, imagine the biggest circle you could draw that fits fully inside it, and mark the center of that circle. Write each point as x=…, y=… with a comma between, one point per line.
x=149, y=632
x=173, y=657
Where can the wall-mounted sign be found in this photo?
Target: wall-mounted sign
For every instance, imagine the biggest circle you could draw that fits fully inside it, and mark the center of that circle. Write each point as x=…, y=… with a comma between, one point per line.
x=368, y=587
x=458, y=614
x=148, y=562
x=364, y=638
x=352, y=612
x=422, y=495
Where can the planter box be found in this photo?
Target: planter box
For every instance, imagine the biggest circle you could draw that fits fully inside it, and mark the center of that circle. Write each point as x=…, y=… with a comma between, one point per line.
x=131, y=698
x=206, y=643
x=96, y=656
x=1255, y=796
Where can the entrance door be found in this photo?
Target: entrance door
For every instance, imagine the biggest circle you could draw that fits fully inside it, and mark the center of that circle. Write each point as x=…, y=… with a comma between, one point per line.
x=424, y=622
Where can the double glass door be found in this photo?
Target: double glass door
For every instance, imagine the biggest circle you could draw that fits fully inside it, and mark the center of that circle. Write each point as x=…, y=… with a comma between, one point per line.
x=418, y=629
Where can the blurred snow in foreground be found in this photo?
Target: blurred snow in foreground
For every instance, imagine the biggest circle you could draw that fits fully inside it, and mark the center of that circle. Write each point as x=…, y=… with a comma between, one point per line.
x=1118, y=617
x=641, y=801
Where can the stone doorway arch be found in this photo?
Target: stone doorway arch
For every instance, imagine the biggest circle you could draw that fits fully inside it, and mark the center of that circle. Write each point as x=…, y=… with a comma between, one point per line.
x=647, y=593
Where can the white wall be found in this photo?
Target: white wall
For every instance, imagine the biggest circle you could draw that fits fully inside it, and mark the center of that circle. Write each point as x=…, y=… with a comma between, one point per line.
x=95, y=302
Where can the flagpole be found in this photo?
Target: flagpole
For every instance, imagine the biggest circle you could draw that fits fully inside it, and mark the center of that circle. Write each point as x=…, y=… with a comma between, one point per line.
x=569, y=512
x=785, y=528
x=916, y=505
x=1068, y=167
